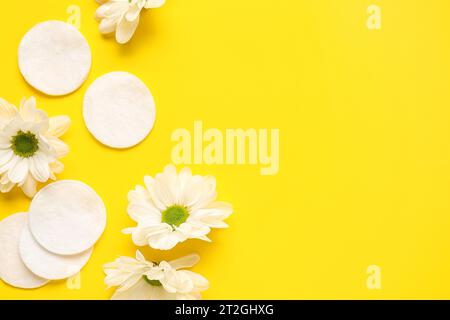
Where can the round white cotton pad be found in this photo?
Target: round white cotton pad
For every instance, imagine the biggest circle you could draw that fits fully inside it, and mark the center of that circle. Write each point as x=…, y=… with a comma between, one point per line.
x=12, y=270
x=67, y=217
x=119, y=110
x=54, y=58
x=46, y=264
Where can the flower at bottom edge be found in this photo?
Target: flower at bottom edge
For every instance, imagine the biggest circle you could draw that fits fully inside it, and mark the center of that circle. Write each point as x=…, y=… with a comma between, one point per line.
x=139, y=279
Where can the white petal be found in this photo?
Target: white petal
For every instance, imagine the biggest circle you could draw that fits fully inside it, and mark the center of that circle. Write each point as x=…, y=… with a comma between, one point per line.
x=28, y=110
x=57, y=167
x=29, y=187
x=133, y=12
x=140, y=235
x=165, y=186
x=155, y=273
x=7, y=187
x=212, y=215
x=39, y=167
x=154, y=4
x=4, y=179
x=139, y=194
x=101, y=12
x=14, y=126
x=192, y=191
x=176, y=281
x=125, y=30
x=158, y=293
x=112, y=9
x=208, y=193
x=108, y=25
x=150, y=185
x=58, y=125
x=60, y=147
x=5, y=156
x=19, y=171
x=200, y=282
x=5, y=141
x=144, y=213
x=194, y=229
x=140, y=291
x=9, y=164
x=185, y=262
x=139, y=256
x=7, y=110
x=166, y=241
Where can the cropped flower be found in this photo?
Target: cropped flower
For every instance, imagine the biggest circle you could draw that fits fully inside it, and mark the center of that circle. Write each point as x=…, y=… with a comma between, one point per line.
x=139, y=279
x=122, y=16
x=29, y=146
x=172, y=208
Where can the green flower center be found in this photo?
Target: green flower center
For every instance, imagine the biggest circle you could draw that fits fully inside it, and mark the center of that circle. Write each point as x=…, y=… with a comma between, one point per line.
x=155, y=283
x=175, y=215
x=25, y=144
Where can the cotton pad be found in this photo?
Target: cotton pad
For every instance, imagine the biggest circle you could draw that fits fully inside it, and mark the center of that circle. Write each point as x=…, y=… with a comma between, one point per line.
x=46, y=264
x=67, y=217
x=119, y=110
x=12, y=270
x=54, y=58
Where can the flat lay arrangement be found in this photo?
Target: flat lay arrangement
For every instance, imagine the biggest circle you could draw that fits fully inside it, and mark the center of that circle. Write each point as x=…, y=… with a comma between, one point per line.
x=224, y=150
x=56, y=238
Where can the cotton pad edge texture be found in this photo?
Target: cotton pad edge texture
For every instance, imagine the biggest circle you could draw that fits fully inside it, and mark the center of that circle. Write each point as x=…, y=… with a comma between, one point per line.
x=12, y=269
x=48, y=265
x=54, y=58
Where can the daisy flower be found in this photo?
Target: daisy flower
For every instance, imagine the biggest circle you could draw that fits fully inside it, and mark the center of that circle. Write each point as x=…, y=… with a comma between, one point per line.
x=172, y=208
x=139, y=279
x=122, y=16
x=29, y=146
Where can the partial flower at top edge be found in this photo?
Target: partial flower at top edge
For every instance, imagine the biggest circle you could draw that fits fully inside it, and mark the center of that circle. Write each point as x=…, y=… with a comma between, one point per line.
x=122, y=16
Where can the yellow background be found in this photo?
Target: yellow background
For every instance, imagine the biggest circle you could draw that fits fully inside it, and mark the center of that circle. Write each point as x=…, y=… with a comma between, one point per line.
x=364, y=119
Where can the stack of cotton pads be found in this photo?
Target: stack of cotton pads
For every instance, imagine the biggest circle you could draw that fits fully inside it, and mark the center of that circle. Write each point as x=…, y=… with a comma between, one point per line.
x=55, y=239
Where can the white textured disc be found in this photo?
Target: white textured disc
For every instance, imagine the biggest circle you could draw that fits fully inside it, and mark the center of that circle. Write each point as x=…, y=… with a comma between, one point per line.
x=46, y=264
x=119, y=110
x=54, y=58
x=12, y=270
x=67, y=217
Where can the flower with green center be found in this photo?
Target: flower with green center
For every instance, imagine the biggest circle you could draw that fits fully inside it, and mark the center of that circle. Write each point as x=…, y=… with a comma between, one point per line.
x=29, y=146
x=174, y=207
x=175, y=215
x=25, y=144
x=139, y=279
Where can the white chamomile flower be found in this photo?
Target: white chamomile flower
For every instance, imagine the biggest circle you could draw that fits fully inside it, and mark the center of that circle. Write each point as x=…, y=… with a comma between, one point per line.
x=122, y=16
x=29, y=146
x=139, y=279
x=172, y=208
